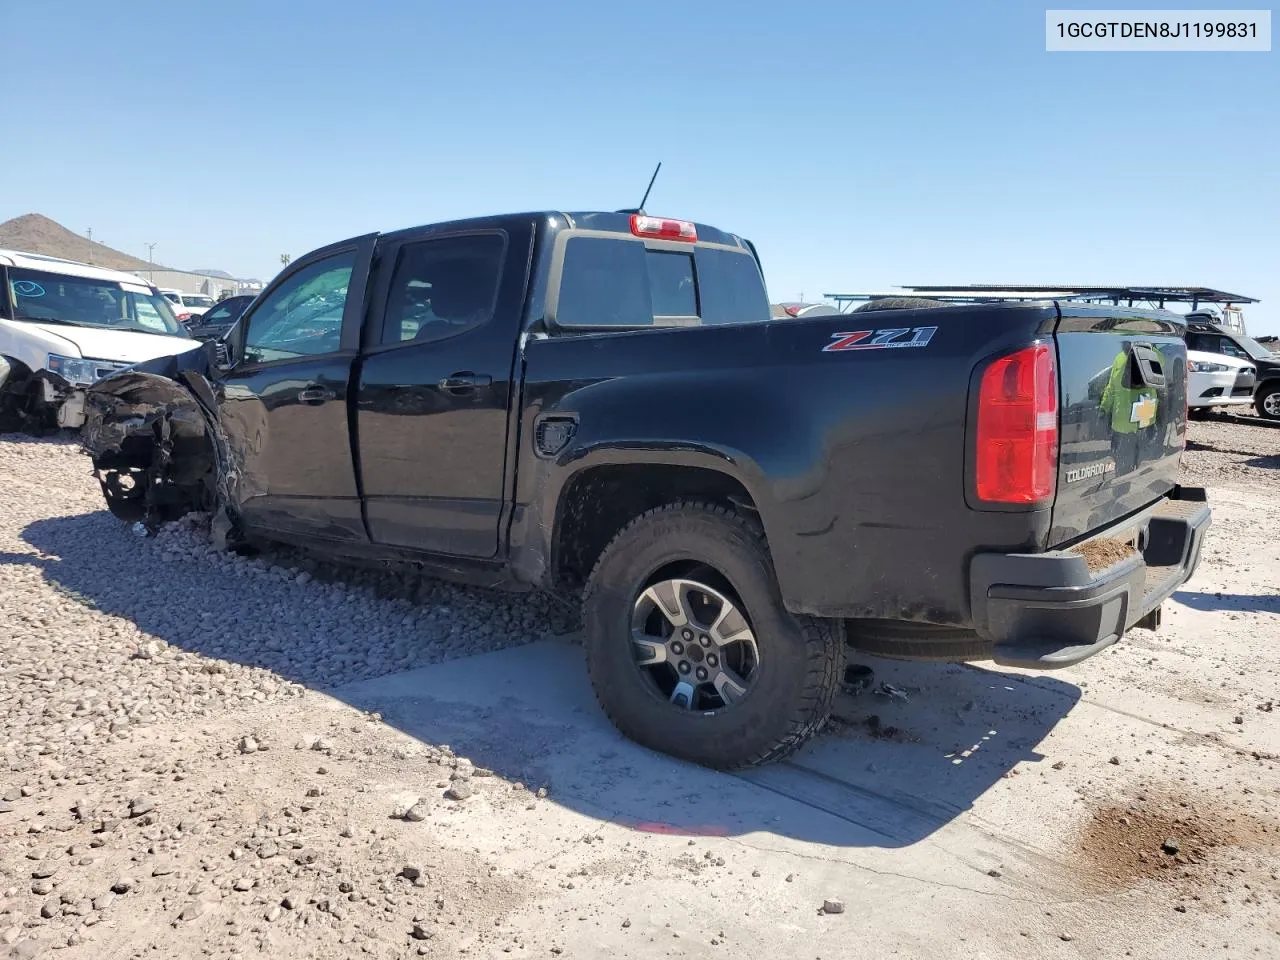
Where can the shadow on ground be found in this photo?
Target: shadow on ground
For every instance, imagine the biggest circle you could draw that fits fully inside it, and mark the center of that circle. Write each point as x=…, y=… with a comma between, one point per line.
x=1245, y=420
x=1253, y=602
x=1271, y=462
x=888, y=773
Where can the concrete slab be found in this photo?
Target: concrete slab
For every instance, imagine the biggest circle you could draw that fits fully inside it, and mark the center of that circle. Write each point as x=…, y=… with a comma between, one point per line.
x=944, y=825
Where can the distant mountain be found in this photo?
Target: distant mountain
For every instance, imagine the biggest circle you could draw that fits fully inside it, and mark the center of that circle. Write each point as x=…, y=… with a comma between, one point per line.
x=34, y=233
x=223, y=275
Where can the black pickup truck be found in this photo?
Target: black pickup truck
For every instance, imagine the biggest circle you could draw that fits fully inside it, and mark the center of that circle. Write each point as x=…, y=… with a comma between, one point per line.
x=599, y=404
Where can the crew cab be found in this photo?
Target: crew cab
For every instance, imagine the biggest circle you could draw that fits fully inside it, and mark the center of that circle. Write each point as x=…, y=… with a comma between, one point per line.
x=64, y=325
x=599, y=404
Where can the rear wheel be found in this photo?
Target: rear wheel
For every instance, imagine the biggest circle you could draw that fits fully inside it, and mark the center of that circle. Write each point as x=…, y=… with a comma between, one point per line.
x=690, y=649
x=1267, y=402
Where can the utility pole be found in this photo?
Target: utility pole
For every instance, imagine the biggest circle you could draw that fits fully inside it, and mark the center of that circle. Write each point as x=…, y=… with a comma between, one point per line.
x=151, y=262
x=285, y=258
x=89, y=259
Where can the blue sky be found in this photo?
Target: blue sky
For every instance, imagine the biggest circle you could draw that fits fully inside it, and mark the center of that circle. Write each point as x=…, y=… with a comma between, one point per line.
x=860, y=147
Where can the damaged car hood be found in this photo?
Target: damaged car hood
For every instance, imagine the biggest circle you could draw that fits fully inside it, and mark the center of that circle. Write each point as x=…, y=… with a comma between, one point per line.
x=123, y=346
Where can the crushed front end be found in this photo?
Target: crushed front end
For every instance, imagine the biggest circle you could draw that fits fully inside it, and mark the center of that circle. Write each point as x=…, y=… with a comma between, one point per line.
x=154, y=442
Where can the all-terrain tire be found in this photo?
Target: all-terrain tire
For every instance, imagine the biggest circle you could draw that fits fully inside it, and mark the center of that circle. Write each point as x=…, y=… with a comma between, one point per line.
x=800, y=658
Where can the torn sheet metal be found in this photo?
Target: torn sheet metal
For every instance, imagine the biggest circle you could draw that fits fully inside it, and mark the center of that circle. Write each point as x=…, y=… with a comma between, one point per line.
x=152, y=431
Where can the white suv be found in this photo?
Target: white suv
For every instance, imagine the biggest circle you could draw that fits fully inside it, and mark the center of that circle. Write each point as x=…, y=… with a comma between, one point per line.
x=187, y=306
x=64, y=325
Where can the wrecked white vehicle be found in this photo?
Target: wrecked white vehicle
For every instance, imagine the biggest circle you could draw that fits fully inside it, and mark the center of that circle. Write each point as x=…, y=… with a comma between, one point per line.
x=65, y=325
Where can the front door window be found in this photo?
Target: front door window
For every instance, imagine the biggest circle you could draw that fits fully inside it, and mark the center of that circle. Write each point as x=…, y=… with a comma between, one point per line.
x=303, y=316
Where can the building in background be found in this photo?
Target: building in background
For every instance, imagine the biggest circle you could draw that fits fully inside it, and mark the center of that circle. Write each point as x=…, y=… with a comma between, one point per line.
x=187, y=282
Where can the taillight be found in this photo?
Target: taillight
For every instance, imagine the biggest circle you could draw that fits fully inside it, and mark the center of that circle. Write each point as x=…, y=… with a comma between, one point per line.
x=662, y=229
x=792, y=311
x=1017, y=436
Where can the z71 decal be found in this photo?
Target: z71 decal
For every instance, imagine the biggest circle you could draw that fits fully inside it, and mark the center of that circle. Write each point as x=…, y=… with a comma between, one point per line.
x=891, y=339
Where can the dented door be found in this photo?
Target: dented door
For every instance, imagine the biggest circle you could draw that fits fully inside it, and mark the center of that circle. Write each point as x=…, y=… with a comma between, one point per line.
x=284, y=412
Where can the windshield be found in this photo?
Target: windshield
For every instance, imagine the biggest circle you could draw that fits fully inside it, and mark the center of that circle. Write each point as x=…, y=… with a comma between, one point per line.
x=86, y=302
x=1254, y=348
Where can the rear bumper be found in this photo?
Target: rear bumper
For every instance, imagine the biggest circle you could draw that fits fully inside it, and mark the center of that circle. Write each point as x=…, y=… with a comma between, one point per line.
x=1049, y=610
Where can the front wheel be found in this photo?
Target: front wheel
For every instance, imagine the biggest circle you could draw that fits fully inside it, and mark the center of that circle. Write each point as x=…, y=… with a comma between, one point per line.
x=1267, y=402
x=690, y=649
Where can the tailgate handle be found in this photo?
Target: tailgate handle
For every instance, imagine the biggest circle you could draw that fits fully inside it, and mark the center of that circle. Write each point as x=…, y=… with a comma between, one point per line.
x=1149, y=369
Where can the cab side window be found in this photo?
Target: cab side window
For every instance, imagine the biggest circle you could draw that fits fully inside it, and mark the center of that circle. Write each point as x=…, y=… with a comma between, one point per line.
x=443, y=287
x=303, y=316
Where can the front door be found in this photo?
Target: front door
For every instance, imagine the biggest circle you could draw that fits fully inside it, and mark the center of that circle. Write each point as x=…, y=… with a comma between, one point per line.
x=285, y=406
x=436, y=386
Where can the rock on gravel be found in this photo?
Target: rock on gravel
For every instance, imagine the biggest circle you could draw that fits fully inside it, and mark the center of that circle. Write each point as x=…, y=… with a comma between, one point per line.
x=418, y=811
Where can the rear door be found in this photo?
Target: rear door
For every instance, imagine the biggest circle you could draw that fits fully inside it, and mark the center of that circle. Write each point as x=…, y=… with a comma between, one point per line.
x=284, y=411
x=436, y=386
x=1123, y=421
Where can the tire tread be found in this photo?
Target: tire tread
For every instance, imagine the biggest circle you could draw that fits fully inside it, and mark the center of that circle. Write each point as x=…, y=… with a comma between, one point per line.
x=824, y=639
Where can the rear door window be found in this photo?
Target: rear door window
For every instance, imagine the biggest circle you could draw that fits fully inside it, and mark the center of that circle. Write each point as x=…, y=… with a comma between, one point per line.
x=443, y=287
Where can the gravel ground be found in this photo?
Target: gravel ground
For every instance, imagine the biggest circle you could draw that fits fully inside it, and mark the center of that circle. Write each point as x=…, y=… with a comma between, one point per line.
x=115, y=645
x=1233, y=451
x=170, y=784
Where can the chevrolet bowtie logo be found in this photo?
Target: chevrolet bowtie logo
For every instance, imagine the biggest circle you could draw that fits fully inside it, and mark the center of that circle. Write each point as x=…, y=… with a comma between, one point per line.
x=1144, y=411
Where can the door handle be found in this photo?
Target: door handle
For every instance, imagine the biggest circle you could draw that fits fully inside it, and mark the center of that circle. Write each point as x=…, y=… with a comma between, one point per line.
x=1150, y=371
x=314, y=393
x=458, y=383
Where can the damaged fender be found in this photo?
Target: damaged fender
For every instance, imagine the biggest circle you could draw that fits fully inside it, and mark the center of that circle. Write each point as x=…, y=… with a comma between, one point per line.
x=158, y=451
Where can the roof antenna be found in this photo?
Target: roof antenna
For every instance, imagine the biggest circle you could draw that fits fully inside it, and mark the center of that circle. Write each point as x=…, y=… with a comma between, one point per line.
x=640, y=209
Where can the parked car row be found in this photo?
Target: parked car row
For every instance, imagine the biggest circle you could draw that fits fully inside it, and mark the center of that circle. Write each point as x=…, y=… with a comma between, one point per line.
x=65, y=325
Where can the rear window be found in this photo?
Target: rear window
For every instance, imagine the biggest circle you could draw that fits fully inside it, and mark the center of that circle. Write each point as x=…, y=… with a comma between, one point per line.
x=731, y=288
x=619, y=283
x=671, y=290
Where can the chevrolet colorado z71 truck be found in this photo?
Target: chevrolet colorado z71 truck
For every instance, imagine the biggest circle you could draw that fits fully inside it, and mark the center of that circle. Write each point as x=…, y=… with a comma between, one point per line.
x=599, y=403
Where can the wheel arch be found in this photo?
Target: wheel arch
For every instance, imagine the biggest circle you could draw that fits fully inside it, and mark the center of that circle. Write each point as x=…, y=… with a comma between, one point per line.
x=608, y=487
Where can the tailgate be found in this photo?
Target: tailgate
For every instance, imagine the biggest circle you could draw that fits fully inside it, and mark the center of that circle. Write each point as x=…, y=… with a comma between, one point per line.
x=1123, y=421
